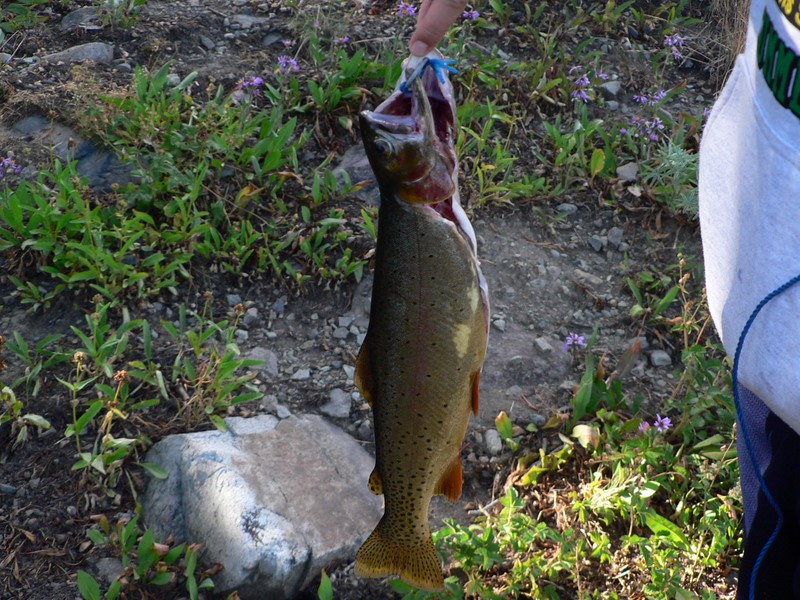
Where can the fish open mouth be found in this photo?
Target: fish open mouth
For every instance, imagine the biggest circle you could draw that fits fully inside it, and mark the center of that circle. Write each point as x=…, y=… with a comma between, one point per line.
x=407, y=111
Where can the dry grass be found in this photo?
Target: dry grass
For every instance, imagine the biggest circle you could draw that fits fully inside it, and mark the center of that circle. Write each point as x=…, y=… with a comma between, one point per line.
x=732, y=16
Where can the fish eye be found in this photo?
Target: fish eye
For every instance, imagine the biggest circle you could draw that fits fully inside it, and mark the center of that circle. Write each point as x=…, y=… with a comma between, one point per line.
x=384, y=147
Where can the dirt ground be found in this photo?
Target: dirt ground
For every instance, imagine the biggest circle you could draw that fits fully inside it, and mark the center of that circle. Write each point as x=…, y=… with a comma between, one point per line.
x=553, y=267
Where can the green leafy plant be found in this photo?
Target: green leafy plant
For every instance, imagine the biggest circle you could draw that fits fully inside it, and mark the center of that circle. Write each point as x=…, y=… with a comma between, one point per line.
x=205, y=370
x=147, y=564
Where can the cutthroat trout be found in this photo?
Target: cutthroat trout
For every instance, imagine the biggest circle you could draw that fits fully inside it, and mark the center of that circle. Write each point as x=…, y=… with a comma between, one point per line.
x=420, y=362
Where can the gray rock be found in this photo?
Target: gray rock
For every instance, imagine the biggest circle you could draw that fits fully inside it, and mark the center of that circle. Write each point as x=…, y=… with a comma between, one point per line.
x=356, y=165
x=365, y=430
x=340, y=333
x=207, y=42
x=338, y=406
x=588, y=277
x=93, y=51
x=597, y=243
x=659, y=358
x=109, y=568
x=346, y=320
x=543, y=344
x=301, y=375
x=615, y=236
x=270, y=402
x=282, y=411
x=499, y=324
x=493, y=441
x=567, y=208
x=238, y=494
x=5, y=58
x=241, y=335
x=233, y=299
x=250, y=317
x=248, y=21
x=270, y=366
x=610, y=89
x=628, y=171
x=80, y=17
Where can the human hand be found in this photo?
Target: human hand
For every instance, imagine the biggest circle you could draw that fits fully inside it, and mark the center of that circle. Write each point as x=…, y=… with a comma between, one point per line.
x=435, y=18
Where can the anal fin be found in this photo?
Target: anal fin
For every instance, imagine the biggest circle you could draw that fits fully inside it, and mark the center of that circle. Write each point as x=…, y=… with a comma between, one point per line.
x=363, y=376
x=451, y=481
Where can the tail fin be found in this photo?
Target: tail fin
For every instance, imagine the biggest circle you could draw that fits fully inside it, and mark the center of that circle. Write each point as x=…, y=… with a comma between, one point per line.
x=416, y=564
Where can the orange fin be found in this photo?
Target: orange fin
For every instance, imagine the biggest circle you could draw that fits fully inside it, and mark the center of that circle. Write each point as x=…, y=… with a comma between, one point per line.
x=363, y=377
x=417, y=564
x=475, y=382
x=452, y=480
x=375, y=483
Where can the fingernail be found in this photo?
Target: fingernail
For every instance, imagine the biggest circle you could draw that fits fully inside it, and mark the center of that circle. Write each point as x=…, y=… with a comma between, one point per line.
x=419, y=48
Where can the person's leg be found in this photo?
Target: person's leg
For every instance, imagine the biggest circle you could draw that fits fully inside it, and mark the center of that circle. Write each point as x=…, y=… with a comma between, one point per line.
x=769, y=468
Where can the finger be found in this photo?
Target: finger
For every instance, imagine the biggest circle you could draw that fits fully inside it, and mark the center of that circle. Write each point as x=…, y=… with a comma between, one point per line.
x=435, y=18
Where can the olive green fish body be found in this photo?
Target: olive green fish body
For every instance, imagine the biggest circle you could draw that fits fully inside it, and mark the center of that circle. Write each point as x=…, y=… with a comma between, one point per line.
x=420, y=362
x=423, y=352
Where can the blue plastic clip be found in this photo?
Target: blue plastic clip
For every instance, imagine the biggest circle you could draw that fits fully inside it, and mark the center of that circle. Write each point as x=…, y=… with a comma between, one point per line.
x=439, y=66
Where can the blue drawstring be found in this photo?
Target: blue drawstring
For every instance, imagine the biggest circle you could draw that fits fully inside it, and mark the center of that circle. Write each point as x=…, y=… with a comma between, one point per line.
x=439, y=66
x=746, y=436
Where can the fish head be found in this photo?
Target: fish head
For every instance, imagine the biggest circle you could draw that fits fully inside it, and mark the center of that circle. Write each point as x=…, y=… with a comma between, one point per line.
x=410, y=137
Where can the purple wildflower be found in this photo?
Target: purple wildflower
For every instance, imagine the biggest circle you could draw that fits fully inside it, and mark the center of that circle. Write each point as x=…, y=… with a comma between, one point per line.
x=406, y=8
x=8, y=164
x=582, y=81
x=656, y=97
x=662, y=424
x=675, y=44
x=580, y=94
x=573, y=340
x=286, y=65
x=343, y=40
x=641, y=98
x=471, y=14
x=706, y=112
x=644, y=426
x=288, y=43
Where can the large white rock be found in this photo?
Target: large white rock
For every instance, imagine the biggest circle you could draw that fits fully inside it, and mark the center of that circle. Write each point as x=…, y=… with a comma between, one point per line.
x=273, y=501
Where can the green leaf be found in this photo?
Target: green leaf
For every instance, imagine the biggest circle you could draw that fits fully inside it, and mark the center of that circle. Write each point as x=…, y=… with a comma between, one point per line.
x=155, y=470
x=114, y=589
x=163, y=578
x=87, y=586
x=218, y=422
x=97, y=537
x=666, y=529
x=37, y=420
x=668, y=299
x=583, y=398
x=598, y=161
x=325, y=590
x=94, y=408
x=503, y=424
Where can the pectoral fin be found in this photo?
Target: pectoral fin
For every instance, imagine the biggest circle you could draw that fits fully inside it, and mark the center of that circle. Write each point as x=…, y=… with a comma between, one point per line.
x=452, y=480
x=375, y=483
x=363, y=376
